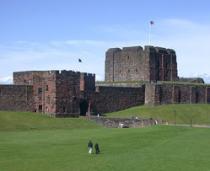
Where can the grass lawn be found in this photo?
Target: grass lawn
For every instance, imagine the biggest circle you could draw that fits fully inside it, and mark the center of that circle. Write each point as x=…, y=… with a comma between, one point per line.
x=182, y=113
x=32, y=142
x=156, y=148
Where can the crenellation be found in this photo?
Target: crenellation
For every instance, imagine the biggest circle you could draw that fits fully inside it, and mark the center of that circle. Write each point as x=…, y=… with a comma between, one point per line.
x=149, y=49
x=132, y=48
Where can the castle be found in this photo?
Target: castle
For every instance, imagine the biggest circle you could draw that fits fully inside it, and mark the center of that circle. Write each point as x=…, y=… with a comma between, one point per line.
x=133, y=76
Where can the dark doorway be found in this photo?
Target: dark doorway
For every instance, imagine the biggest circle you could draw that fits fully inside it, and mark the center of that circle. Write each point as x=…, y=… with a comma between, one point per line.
x=40, y=108
x=83, y=105
x=179, y=96
x=196, y=97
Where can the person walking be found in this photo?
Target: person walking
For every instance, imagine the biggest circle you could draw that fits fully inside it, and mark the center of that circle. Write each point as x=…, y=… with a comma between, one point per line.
x=97, y=148
x=90, y=147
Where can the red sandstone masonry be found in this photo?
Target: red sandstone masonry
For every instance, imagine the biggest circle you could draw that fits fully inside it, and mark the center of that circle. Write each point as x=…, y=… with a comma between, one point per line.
x=44, y=90
x=57, y=92
x=16, y=98
x=108, y=99
x=138, y=64
x=156, y=94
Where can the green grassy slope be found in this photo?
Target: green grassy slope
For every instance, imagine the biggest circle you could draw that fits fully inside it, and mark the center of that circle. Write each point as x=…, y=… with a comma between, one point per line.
x=32, y=121
x=182, y=113
x=159, y=148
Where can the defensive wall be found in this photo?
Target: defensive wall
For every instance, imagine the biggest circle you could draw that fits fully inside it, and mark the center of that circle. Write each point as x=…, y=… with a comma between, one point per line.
x=63, y=93
x=16, y=98
x=175, y=93
x=109, y=99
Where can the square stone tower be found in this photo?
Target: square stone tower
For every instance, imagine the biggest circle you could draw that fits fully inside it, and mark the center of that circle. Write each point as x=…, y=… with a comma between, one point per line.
x=138, y=64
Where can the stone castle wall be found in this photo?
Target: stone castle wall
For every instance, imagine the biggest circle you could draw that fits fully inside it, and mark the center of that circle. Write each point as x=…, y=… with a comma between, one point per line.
x=126, y=64
x=162, y=63
x=16, y=98
x=87, y=82
x=156, y=94
x=109, y=99
x=57, y=92
x=138, y=64
x=44, y=88
x=67, y=92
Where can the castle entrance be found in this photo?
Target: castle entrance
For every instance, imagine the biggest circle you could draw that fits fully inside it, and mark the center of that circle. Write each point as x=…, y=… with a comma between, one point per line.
x=83, y=105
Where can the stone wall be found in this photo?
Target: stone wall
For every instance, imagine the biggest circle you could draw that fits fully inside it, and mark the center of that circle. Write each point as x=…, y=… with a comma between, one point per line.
x=16, y=98
x=57, y=92
x=150, y=95
x=126, y=122
x=126, y=64
x=108, y=99
x=87, y=82
x=138, y=64
x=162, y=63
x=67, y=93
x=44, y=88
x=156, y=94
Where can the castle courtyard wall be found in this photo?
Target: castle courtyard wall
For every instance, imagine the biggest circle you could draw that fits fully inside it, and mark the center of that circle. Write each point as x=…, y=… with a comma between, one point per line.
x=157, y=94
x=16, y=98
x=109, y=99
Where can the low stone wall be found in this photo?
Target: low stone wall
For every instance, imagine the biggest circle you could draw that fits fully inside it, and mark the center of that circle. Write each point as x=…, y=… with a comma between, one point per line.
x=126, y=122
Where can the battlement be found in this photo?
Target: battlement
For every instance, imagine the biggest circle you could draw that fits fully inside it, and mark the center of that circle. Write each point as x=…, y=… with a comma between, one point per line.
x=113, y=50
x=146, y=49
x=132, y=48
x=87, y=82
x=84, y=74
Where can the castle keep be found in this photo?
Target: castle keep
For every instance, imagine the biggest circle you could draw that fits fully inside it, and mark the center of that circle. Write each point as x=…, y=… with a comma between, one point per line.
x=133, y=76
x=138, y=64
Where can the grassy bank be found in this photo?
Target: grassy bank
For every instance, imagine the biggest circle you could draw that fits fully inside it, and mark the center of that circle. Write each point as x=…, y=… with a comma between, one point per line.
x=32, y=121
x=182, y=113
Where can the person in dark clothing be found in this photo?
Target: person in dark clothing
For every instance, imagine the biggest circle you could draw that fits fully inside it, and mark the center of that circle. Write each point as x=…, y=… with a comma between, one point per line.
x=90, y=147
x=97, y=148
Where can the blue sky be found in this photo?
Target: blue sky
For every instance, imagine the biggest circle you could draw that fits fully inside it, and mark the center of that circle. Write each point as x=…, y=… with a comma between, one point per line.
x=53, y=34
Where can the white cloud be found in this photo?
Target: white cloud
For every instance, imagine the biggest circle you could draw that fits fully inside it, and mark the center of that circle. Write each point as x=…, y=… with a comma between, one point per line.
x=23, y=55
x=6, y=80
x=191, y=41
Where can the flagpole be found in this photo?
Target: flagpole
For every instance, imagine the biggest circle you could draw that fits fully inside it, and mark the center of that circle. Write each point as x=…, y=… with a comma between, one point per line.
x=150, y=30
x=79, y=64
x=149, y=36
